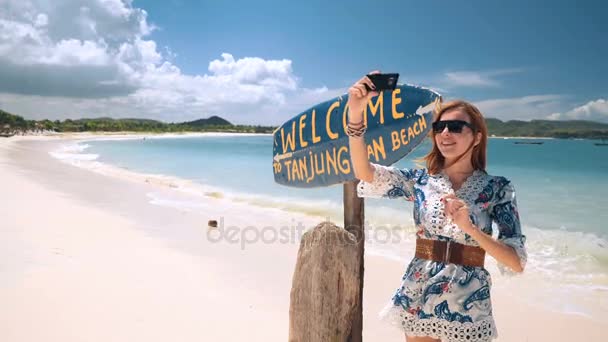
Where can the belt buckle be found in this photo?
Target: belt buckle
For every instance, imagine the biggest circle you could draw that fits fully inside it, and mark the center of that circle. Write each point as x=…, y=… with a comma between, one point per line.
x=446, y=259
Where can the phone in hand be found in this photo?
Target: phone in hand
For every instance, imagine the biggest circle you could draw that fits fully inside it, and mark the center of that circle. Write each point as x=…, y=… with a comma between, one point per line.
x=383, y=81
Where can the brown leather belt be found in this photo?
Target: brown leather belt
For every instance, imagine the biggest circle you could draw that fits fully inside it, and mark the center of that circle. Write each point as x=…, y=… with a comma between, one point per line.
x=450, y=252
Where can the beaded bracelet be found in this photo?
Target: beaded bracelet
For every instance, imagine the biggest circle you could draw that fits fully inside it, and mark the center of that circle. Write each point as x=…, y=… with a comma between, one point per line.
x=355, y=132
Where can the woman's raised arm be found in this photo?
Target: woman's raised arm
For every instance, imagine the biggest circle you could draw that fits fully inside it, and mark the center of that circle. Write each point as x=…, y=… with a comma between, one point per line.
x=358, y=97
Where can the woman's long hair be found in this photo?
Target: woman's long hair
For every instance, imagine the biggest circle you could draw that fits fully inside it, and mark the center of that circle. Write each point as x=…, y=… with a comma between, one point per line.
x=435, y=162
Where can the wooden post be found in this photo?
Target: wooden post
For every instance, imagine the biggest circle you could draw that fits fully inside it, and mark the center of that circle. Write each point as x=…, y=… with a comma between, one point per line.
x=354, y=217
x=325, y=291
x=326, y=299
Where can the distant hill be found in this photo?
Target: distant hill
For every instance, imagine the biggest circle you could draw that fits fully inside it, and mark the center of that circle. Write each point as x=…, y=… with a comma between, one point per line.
x=212, y=121
x=10, y=122
x=514, y=128
x=548, y=128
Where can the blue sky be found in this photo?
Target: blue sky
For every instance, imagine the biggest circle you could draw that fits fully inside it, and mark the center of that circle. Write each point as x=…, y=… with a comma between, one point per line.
x=551, y=46
x=266, y=61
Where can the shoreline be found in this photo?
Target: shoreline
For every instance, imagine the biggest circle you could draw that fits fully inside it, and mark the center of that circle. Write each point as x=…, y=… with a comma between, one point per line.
x=157, y=135
x=79, y=261
x=134, y=134
x=249, y=288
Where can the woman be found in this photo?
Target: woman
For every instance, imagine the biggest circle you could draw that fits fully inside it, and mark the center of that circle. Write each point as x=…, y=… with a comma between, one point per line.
x=445, y=292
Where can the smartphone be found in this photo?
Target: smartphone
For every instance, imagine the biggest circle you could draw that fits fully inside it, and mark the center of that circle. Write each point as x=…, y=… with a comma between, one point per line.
x=383, y=81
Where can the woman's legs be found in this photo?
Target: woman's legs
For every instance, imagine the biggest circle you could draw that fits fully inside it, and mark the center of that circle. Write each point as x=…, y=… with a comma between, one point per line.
x=420, y=339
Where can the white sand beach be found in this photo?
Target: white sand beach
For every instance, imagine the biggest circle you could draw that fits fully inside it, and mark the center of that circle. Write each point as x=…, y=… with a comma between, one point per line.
x=84, y=257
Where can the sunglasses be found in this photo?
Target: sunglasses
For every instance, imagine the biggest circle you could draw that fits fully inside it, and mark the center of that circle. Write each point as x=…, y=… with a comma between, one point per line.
x=454, y=126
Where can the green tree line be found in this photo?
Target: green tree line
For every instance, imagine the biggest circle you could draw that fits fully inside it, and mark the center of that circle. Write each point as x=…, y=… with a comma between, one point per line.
x=11, y=123
x=535, y=128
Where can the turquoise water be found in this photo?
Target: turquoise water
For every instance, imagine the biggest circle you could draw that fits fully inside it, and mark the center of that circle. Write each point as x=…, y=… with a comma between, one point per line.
x=561, y=185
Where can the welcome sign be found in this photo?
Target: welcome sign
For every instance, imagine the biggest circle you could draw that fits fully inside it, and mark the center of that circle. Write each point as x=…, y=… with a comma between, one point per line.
x=311, y=149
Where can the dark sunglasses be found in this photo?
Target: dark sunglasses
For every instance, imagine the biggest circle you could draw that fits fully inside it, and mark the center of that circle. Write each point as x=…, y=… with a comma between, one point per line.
x=454, y=126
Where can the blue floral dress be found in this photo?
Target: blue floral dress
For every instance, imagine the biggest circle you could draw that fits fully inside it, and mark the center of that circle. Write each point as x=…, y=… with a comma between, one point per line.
x=447, y=301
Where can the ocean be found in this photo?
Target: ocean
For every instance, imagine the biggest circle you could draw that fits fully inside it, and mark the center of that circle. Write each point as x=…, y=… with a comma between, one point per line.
x=561, y=188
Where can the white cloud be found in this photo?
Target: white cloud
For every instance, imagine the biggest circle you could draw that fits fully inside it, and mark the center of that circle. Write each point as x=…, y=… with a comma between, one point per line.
x=117, y=8
x=43, y=53
x=521, y=108
x=41, y=20
x=469, y=79
x=488, y=78
x=165, y=106
x=100, y=62
x=70, y=52
x=255, y=71
x=593, y=110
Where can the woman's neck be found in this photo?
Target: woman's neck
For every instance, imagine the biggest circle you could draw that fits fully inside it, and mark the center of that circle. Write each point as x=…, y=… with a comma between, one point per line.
x=459, y=170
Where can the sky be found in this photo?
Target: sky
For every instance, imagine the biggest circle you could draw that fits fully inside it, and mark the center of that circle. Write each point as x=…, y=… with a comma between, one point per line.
x=263, y=62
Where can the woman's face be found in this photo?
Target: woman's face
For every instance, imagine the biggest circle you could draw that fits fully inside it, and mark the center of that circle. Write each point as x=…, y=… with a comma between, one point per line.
x=453, y=145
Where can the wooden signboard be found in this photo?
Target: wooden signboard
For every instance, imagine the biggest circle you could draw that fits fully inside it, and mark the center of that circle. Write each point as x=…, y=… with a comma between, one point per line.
x=311, y=149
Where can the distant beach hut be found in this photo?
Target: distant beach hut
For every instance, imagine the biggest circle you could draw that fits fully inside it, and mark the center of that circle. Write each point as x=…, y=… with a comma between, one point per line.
x=5, y=132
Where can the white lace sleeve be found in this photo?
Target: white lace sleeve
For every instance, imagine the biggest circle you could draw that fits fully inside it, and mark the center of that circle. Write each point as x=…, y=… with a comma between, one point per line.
x=389, y=182
x=504, y=213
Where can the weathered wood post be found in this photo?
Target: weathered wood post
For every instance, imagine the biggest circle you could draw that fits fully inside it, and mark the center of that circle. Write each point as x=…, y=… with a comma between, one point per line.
x=324, y=299
x=354, y=218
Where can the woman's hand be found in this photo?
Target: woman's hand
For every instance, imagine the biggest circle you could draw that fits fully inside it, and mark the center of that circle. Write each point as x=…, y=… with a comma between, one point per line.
x=458, y=211
x=358, y=97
